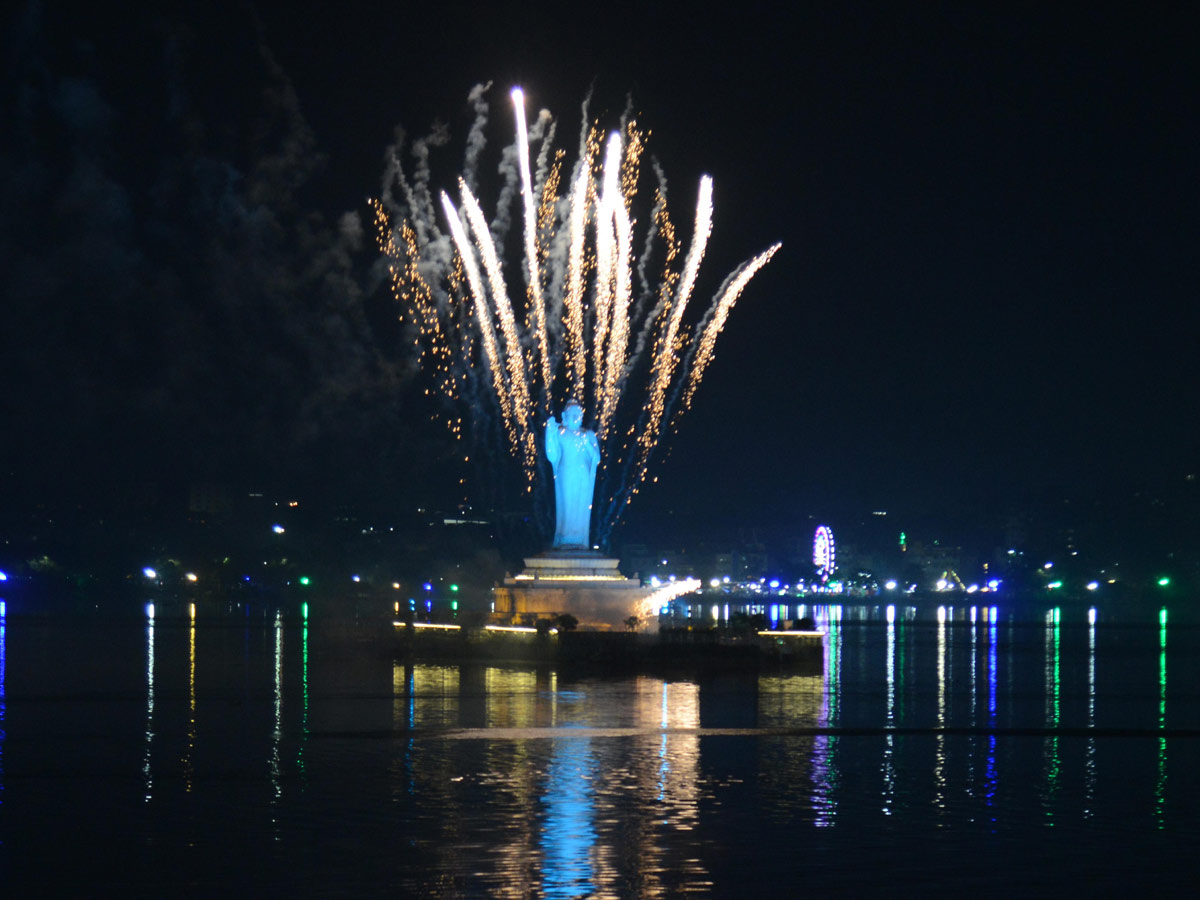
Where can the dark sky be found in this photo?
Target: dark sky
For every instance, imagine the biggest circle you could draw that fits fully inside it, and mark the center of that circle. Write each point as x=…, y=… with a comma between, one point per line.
x=987, y=288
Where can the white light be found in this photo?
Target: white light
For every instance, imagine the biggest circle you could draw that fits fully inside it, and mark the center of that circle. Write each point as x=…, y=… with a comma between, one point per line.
x=149, y=610
x=356, y=578
x=941, y=584
x=890, y=585
x=994, y=583
x=716, y=611
x=1092, y=616
x=1092, y=585
x=278, y=529
x=1048, y=565
x=941, y=615
x=149, y=572
x=191, y=576
x=891, y=614
x=716, y=582
x=972, y=589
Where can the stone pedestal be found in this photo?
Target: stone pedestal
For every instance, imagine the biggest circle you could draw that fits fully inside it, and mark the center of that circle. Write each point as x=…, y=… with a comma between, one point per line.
x=583, y=583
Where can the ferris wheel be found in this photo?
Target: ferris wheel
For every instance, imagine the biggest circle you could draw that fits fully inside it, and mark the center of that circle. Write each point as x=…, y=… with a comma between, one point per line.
x=823, y=552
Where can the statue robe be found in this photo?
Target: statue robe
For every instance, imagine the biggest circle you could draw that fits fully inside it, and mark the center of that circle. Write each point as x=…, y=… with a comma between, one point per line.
x=574, y=454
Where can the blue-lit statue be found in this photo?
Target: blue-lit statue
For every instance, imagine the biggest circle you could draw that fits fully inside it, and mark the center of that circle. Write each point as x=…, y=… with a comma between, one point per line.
x=574, y=454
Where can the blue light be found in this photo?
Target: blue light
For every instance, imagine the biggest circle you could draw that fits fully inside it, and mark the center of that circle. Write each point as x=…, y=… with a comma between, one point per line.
x=428, y=605
x=356, y=578
x=3, y=576
x=774, y=583
x=3, y=609
x=245, y=578
x=428, y=586
x=994, y=583
x=278, y=529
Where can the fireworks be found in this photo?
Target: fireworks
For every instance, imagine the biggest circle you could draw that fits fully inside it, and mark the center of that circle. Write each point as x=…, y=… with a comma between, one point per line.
x=624, y=352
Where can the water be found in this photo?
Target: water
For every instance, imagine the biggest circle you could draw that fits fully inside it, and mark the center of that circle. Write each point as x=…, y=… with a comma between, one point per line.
x=272, y=757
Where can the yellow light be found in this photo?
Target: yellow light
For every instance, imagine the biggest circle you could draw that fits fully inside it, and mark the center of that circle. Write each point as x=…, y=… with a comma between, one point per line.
x=516, y=629
x=784, y=634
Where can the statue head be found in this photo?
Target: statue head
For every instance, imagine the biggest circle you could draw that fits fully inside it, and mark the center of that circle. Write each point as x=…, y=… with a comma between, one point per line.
x=573, y=416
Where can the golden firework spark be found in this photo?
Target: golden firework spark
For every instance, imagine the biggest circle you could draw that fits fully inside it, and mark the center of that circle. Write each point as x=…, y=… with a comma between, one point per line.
x=575, y=337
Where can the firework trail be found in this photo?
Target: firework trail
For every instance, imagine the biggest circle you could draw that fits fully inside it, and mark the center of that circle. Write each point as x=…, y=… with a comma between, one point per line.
x=536, y=303
x=634, y=364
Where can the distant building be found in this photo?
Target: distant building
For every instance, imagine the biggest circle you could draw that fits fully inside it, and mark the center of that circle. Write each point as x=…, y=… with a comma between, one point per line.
x=210, y=499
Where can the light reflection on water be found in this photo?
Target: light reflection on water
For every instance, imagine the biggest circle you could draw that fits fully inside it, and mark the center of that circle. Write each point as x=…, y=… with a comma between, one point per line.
x=449, y=780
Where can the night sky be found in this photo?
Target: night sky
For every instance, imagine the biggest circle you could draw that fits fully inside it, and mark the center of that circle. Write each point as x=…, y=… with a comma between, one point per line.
x=989, y=217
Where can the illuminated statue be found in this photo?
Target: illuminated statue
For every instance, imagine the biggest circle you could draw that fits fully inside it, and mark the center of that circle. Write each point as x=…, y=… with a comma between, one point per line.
x=574, y=454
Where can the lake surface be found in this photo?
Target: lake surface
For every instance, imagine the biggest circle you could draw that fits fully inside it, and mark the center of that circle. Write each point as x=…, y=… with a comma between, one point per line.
x=272, y=756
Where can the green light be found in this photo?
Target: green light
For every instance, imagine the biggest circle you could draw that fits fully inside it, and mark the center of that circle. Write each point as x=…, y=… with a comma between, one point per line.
x=1054, y=584
x=454, y=605
x=454, y=587
x=304, y=609
x=304, y=580
x=1164, y=581
x=1162, y=617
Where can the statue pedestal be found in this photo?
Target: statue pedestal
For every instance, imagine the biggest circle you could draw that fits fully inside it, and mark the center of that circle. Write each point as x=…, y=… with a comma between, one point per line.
x=583, y=583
